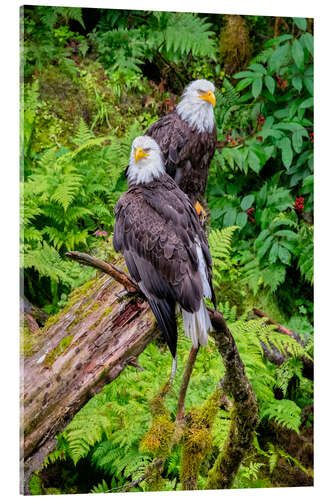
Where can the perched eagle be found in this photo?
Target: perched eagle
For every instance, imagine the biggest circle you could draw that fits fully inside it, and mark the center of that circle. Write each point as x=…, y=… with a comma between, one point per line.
x=165, y=248
x=187, y=138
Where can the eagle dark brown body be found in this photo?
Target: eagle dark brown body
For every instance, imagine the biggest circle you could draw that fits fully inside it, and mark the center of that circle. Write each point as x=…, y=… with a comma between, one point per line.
x=187, y=153
x=158, y=231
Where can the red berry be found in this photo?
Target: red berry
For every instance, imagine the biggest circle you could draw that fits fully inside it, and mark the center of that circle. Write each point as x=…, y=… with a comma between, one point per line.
x=299, y=203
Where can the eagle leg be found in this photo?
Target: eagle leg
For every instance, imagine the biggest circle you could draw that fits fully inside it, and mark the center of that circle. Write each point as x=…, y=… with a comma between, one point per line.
x=173, y=370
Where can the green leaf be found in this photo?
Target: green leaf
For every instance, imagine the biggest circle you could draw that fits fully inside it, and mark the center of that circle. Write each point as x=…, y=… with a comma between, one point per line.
x=297, y=140
x=297, y=83
x=261, y=237
x=241, y=219
x=230, y=218
x=307, y=103
x=256, y=87
x=290, y=235
x=273, y=254
x=247, y=202
x=244, y=74
x=243, y=84
x=254, y=162
x=258, y=68
x=292, y=126
x=307, y=185
x=278, y=40
x=300, y=23
x=308, y=82
x=290, y=245
x=287, y=152
x=284, y=255
x=264, y=248
x=307, y=42
x=279, y=58
x=298, y=54
x=270, y=83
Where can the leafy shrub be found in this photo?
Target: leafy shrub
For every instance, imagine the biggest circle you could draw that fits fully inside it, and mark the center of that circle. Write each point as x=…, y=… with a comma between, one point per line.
x=262, y=175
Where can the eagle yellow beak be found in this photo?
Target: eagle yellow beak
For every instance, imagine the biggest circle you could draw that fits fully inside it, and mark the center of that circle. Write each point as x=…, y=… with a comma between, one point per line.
x=209, y=97
x=139, y=153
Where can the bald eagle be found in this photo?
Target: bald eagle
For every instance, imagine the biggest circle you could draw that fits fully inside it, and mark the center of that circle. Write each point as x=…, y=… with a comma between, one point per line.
x=165, y=248
x=187, y=138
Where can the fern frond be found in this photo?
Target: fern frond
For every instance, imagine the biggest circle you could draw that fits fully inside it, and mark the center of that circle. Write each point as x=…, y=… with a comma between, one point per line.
x=83, y=134
x=186, y=32
x=220, y=242
x=263, y=56
x=285, y=412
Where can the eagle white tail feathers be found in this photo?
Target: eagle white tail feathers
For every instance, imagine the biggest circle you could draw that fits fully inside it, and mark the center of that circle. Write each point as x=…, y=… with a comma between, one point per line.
x=197, y=324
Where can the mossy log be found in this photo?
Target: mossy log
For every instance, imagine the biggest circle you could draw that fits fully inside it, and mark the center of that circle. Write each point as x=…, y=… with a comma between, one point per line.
x=77, y=352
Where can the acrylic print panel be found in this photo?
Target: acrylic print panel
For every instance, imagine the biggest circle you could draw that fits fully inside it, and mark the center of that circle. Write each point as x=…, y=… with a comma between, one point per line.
x=99, y=411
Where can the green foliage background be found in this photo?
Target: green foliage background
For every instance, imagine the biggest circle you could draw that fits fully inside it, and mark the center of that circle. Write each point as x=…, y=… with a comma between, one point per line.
x=91, y=82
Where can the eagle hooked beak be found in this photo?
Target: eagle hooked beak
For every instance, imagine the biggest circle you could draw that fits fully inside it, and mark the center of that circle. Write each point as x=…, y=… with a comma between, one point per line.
x=139, y=153
x=209, y=97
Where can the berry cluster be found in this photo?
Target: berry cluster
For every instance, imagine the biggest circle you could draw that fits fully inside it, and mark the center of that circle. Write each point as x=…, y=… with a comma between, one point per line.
x=250, y=214
x=259, y=138
x=311, y=137
x=100, y=233
x=233, y=141
x=261, y=119
x=282, y=83
x=299, y=204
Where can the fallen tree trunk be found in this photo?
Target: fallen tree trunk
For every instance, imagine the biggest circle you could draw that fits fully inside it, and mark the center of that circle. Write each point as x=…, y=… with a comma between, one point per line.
x=78, y=351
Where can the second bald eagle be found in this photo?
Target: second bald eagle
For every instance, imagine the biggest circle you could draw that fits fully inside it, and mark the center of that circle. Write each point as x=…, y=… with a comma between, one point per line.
x=187, y=139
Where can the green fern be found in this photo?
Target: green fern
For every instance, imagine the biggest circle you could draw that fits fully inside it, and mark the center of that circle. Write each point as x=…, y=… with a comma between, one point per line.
x=67, y=197
x=226, y=104
x=101, y=488
x=186, y=32
x=221, y=429
x=220, y=242
x=285, y=412
x=286, y=371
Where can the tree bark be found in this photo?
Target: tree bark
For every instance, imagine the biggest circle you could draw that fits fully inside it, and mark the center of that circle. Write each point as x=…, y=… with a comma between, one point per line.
x=84, y=347
x=245, y=408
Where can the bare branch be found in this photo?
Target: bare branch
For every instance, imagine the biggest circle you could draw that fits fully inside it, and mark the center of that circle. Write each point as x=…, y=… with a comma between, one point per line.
x=108, y=268
x=185, y=381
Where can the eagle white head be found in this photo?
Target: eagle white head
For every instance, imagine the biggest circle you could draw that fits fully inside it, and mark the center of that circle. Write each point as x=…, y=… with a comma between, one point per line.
x=196, y=105
x=145, y=163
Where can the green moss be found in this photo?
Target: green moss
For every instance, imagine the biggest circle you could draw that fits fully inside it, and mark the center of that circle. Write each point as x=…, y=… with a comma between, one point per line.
x=28, y=343
x=53, y=491
x=108, y=311
x=198, y=439
x=105, y=313
x=35, y=484
x=58, y=350
x=53, y=319
x=78, y=292
x=158, y=438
